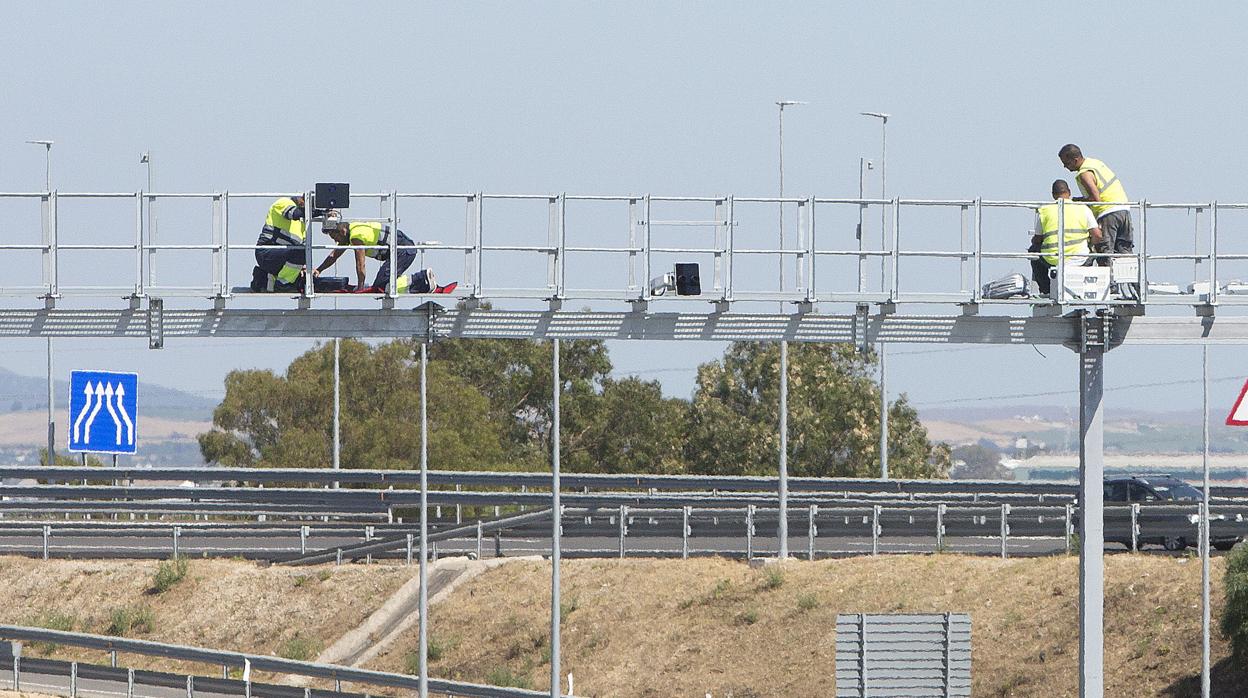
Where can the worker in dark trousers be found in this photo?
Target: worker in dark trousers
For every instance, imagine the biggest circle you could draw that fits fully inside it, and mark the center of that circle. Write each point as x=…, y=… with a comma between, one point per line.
x=280, y=252
x=1104, y=193
x=367, y=234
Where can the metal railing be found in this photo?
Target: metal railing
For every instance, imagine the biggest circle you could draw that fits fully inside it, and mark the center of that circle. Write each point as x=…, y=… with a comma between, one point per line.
x=820, y=530
x=609, y=246
x=256, y=662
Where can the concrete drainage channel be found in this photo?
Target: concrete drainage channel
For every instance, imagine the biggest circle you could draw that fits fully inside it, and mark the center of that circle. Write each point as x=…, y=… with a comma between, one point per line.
x=361, y=644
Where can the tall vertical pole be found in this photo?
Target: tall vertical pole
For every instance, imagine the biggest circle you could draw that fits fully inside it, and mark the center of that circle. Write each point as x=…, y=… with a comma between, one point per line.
x=863, y=165
x=47, y=186
x=1092, y=506
x=883, y=245
x=883, y=347
x=556, y=519
x=424, y=520
x=1204, y=526
x=145, y=158
x=51, y=414
x=337, y=407
x=782, y=531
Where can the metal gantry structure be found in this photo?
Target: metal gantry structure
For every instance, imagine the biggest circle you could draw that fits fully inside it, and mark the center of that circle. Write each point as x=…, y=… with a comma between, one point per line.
x=603, y=250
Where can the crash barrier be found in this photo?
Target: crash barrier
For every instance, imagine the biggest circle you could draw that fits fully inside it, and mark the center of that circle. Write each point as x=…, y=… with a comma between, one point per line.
x=248, y=662
x=815, y=530
x=619, y=247
x=72, y=679
x=919, y=655
x=570, y=481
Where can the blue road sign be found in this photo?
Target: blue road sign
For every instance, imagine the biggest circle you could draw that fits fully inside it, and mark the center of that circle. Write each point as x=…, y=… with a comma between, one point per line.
x=103, y=412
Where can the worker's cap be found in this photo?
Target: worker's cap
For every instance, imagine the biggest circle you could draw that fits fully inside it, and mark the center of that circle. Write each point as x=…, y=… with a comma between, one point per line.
x=331, y=222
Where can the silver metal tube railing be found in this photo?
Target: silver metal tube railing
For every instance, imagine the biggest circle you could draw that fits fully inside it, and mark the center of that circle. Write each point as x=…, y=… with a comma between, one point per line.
x=640, y=241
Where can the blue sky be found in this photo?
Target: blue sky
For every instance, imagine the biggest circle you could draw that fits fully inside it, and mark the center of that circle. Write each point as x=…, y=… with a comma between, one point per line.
x=670, y=98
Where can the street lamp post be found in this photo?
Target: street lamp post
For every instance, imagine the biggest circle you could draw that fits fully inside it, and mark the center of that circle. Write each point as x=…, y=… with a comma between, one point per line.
x=783, y=531
x=47, y=186
x=883, y=236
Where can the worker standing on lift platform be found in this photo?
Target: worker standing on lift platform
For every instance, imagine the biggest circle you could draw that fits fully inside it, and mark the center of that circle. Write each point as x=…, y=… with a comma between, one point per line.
x=1103, y=191
x=280, y=252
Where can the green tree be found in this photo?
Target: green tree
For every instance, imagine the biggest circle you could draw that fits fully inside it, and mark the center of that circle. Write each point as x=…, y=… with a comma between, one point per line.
x=266, y=420
x=632, y=428
x=515, y=377
x=833, y=416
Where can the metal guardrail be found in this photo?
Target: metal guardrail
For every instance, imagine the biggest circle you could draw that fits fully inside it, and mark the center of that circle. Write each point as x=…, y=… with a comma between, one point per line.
x=257, y=662
x=821, y=530
x=84, y=679
x=570, y=481
x=392, y=544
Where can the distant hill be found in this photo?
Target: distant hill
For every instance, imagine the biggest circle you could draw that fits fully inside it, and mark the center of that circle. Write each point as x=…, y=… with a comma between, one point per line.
x=1057, y=429
x=20, y=393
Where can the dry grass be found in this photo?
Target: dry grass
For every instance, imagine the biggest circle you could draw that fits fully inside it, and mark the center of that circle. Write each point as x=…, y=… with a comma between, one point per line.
x=665, y=628
x=672, y=628
x=222, y=604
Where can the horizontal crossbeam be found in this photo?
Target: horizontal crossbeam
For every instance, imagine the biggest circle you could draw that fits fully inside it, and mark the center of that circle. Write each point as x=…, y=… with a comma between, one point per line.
x=550, y=324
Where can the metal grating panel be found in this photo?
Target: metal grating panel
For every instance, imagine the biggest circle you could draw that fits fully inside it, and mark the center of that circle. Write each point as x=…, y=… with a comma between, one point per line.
x=903, y=655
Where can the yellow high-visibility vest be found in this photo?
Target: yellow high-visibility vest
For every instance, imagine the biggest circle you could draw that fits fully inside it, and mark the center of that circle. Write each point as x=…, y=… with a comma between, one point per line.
x=366, y=234
x=1106, y=181
x=1079, y=219
x=277, y=221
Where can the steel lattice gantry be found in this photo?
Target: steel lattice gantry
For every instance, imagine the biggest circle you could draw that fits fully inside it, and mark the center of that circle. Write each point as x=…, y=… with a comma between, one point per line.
x=557, y=249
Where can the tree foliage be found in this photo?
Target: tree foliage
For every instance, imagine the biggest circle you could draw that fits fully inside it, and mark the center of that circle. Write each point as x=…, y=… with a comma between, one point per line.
x=834, y=410
x=287, y=421
x=491, y=407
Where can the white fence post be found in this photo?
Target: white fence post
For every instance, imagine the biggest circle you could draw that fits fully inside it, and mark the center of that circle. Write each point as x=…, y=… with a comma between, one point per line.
x=684, y=535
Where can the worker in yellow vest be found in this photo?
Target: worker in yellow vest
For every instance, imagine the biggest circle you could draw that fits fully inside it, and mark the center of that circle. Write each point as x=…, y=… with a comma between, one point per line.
x=1104, y=193
x=1081, y=231
x=369, y=234
x=280, y=251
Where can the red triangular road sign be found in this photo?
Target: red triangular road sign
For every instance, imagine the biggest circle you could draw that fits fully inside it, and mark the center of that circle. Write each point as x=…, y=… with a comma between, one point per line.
x=1239, y=413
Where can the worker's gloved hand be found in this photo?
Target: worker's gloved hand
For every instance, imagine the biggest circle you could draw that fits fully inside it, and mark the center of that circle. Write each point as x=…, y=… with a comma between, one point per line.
x=320, y=212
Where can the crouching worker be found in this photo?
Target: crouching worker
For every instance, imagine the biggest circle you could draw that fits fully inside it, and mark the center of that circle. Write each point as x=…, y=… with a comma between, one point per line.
x=280, y=252
x=366, y=235
x=1080, y=229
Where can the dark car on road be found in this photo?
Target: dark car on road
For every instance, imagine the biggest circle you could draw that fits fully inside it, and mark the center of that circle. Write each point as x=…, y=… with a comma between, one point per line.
x=1149, y=490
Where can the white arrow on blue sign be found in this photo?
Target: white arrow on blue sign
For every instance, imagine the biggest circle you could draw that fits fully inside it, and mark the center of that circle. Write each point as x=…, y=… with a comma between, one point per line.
x=103, y=412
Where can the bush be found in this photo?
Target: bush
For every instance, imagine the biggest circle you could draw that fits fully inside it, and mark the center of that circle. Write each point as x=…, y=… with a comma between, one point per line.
x=168, y=574
x=503, y=676
x=130, y=619
x=807, y=602
x=53, y=620
x=773, y=578
x=437, y=649
x=299, y=648
x=1235, y=612
x=747, y=617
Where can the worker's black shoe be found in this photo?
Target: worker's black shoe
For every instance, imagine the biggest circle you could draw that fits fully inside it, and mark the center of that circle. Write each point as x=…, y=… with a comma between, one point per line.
x=259, y=280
